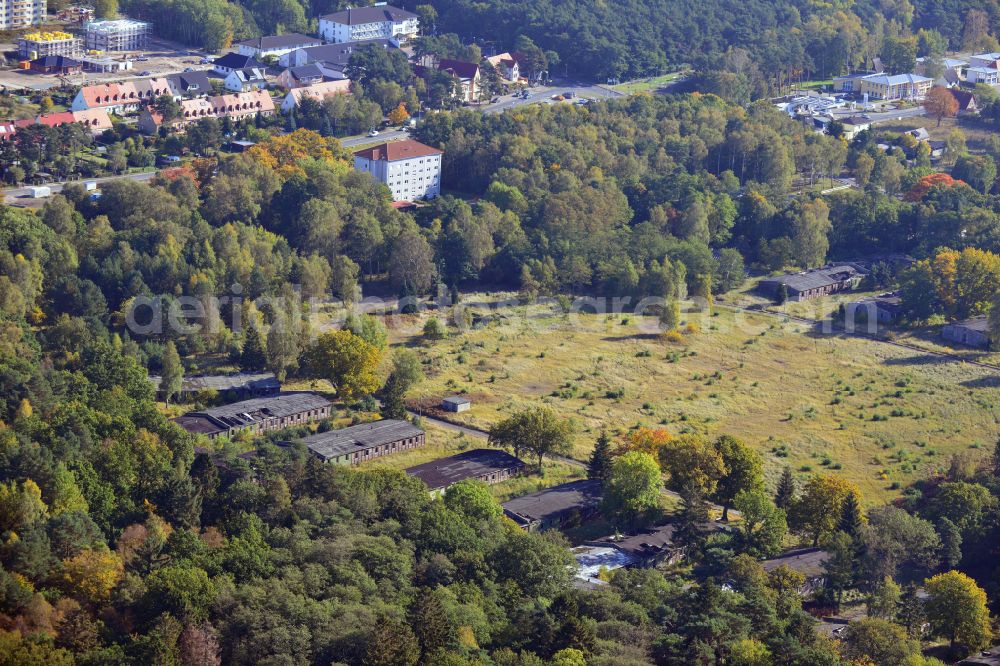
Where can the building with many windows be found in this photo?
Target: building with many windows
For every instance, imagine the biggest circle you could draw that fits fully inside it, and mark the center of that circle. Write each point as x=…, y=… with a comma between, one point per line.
x=21, y=13
x=410, y=169
x=36, y=45
x=275, y=45
x=366, y=441
x=381, y=21
x=113, y=35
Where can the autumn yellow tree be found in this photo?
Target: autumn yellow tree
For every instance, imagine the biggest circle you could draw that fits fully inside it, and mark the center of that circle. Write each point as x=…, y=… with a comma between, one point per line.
x=956, y=609
x=92, y=574
x=20, y=504
x=346, y=361
x=692, y=464
x=646, y=440
x=399, y=115
x=819, y=508
x=285, y=153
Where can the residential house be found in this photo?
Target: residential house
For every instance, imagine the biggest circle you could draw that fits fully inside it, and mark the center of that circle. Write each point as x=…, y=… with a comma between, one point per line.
x=974, y=332
x=989, y=76
x=331, y=57
x=382, y=21
x=56, y=64
x=275, y=45
x=317, y=92
x=121, y=97
x=236, y=106
x=468, y=75
x=239, y=386
x=245, y=80
x=813, y=283
x=257, y=416
x=301, y=77
x=95, y=120
x=984, y=60
x=410, y=169
x=189, y=84
x=113, y=35
x=806, y=561
x=855, y=125
x=966, y=101
x=232, y=61
x=567, y=504
x=456, y=403
x=506, y=66
x=487, y=465
x=365, y=441
x=895, y=86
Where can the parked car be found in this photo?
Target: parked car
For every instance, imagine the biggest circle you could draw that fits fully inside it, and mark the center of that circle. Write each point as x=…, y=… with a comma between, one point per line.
x=145, y=73
x=142, y=59
x=569, y=95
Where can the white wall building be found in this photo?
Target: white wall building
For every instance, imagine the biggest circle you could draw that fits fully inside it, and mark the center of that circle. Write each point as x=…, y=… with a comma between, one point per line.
x=986, y=75
x=410, y=169
x=275, y=45
x=984, y=60
x=360, y=23
x=117, y=35
x=21, y=13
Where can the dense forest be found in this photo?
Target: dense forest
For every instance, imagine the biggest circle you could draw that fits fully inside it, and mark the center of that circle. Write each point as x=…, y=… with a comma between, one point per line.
x=120, y=543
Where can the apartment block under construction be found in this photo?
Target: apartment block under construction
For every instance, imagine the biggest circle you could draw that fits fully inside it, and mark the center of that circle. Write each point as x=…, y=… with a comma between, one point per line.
x=117, y=35
x=35, y=45
x=21, y=13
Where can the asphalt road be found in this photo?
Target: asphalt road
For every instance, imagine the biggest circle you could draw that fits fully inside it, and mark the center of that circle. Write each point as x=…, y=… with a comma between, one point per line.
x=22, y=193
x=544, y=94
x=887, y=116
x=388, y=135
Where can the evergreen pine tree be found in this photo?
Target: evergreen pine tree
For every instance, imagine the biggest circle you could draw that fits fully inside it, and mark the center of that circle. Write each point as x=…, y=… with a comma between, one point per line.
x=290, y=123
x=393, y=392
x=911, y=611
x=434, y=631
x=253, y=358
x=326, y=129
x=851, y=516
x=951, y=543
x=600, y=459
x=785, y=494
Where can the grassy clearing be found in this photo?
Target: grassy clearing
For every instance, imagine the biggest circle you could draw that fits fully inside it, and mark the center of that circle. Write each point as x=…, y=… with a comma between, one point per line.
x=651, y=84
x=876, y=414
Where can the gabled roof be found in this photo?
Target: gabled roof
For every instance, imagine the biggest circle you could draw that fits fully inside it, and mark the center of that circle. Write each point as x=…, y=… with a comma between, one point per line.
x=362, y=15
x=360, y=438
x=466, y=465
x=463, y=70
x=251, y=75
x=396, y=150
x=320, y=91
x=896, y=79
x=252, y=411
x=305, y=72
x=233, y=60
x=551, y=503
x=190, y=82
x=286, y=41
x=58, y=61
x=340, y=54
x=963, y=97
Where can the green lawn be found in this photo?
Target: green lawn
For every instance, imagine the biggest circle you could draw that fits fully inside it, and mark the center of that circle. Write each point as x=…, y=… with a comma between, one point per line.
x=651, y=84
x=875, y=413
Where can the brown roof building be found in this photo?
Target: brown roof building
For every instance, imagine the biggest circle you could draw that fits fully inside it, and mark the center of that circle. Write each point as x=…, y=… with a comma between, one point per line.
x=411, y=170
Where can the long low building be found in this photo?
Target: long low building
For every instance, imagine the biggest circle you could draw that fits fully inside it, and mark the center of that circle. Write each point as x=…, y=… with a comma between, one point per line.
x=365, y=441
x=258, y=415
x=486, y=465
x=95, y=120
x=236, y=106
x=557, y=506
x=813, y=283
x=120, y=97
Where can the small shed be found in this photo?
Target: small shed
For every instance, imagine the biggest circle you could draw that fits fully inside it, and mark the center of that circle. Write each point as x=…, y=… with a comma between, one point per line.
x=456, y=403
x=973, y=332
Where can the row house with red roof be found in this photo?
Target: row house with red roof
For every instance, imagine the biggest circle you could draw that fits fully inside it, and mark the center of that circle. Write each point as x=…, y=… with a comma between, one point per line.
x=236, y=106
x=95, y=120
x=120, y=98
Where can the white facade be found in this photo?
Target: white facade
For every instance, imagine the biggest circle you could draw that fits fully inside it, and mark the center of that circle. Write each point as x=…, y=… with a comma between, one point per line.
x=117, y=35
x=987, y=75
x=363, y=23
x=409, y=179
x=21, y=13
x=984, y=60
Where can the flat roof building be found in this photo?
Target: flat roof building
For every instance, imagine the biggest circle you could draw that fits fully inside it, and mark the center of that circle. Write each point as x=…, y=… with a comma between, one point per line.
x=456, y=403
x=113, y=35
x=487, y=465
x=558, y=506
x=258, y=415
x=21, y=13
x=365, y=441
x=36, y=45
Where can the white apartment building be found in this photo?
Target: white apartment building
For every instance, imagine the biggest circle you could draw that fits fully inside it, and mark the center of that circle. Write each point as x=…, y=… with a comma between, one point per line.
x=987, y=75
x=381, y=21
x=115, y=35
x=21, y=13
x=410, y=169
